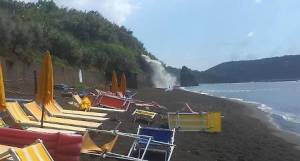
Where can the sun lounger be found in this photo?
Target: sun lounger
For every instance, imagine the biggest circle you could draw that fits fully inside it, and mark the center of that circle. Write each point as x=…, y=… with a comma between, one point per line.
x=109, y=141
x=2, y=123
x=144, y=115
x=34, y=152
x=4, y=155
x=21, y=119
x=206, y=121
x=78, y=101
x=162, y=141
x=55, y=113
x=36, y=112
x=60, y=109
x=111, y=103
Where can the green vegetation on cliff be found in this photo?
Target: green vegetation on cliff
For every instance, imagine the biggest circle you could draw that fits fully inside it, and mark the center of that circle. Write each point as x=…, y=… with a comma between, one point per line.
x=81, y=39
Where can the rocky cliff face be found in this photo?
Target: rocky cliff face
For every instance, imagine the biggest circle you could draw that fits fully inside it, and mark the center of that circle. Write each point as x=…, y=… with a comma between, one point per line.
x=187, y=78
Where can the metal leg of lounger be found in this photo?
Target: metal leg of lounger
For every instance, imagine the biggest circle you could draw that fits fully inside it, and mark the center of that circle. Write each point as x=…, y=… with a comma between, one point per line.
x=145, y=150
x=170, y=154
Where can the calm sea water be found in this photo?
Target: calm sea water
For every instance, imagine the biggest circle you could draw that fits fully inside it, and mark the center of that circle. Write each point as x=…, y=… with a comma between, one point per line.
x=280, y=99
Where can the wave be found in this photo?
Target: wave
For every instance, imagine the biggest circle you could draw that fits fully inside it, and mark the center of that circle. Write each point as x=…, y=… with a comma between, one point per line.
x=263, y=107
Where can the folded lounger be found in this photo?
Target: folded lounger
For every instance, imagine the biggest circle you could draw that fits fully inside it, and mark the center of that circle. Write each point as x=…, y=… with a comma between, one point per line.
x=60, y=109
x=34, y=152
x=145, y=115
x=55, y=113
x=20, y=118
x=105, y=149
x=162, y=141
x=36, y=112
x=205, y=121
x=111, y=103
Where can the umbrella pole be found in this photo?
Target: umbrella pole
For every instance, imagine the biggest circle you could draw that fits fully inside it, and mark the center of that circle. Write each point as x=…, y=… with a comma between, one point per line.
x=42, y=119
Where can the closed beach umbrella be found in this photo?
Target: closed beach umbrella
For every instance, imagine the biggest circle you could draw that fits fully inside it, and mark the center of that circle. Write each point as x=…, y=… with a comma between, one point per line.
x=45, y=84
x=114, y=82
x=123, y=85
x=2, y=91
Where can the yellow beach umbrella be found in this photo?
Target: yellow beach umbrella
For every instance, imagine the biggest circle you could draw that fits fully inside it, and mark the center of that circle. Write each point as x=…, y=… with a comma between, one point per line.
x=45, y=83
x=2, y=91
x=114, y=82
x=123, y=84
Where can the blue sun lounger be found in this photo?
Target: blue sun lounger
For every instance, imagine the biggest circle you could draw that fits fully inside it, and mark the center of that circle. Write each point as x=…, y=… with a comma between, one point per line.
x=162, y=141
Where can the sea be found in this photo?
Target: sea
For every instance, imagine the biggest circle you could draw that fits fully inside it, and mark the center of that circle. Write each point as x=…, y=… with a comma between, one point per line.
x=280, y=100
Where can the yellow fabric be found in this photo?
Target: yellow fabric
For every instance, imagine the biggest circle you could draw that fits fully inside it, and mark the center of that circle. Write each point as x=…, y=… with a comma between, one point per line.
x=16, y=112
x=85, y=104
x=35, y=152
x=45, y=82
x=114, y=82
x=210, y=121
x=123, y=84
x=110, y=145
x=145, y=113
x=2, y=123
x=20, y=117
x=2, y=91
x=37, y=113
x=88, y=145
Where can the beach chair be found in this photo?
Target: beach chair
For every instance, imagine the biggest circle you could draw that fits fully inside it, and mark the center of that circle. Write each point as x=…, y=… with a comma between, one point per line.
x=57, y=107
x=144, y=115
x=109, y=140
x=25, y=122
x=36, y=112
x=2, y=123
x=111, y=103
x=4, y=154
x=162, y=141
x=34, y=152
x=204, y=121
x=52, y=111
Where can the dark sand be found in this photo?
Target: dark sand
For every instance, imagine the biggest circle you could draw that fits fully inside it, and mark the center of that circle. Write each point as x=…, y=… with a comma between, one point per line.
x=247, y=135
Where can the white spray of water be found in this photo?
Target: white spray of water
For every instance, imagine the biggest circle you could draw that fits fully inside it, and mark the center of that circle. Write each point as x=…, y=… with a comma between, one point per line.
x=160, y=77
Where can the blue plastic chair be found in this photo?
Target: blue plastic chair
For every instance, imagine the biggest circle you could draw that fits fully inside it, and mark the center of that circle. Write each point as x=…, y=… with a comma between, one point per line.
x=162, y=140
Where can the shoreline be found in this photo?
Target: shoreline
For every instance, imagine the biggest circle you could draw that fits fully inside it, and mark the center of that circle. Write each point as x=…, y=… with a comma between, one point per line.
x=263, y=116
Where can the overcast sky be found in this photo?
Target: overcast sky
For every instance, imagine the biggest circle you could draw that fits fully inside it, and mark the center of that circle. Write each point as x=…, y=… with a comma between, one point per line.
x=204, y=33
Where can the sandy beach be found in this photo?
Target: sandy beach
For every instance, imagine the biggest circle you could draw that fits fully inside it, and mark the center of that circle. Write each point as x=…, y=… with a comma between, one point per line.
x=246, y=135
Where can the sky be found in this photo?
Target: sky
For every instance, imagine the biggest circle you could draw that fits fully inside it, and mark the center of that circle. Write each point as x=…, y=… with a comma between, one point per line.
x=203, y=33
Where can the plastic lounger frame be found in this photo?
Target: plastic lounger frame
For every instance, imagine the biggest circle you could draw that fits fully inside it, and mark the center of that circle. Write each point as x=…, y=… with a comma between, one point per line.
x=205, y=121
x=165, y=147
x=120, y=156
x=105, y=107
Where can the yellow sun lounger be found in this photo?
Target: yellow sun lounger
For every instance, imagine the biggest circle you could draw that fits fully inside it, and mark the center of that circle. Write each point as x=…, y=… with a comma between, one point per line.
x=55, y=113
x=145, y=115
x=4, y=155
x=34, y=152
x=19, y=117
x=2, y=123
x=36, y=112
x=206, y=121
x=95, y=114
